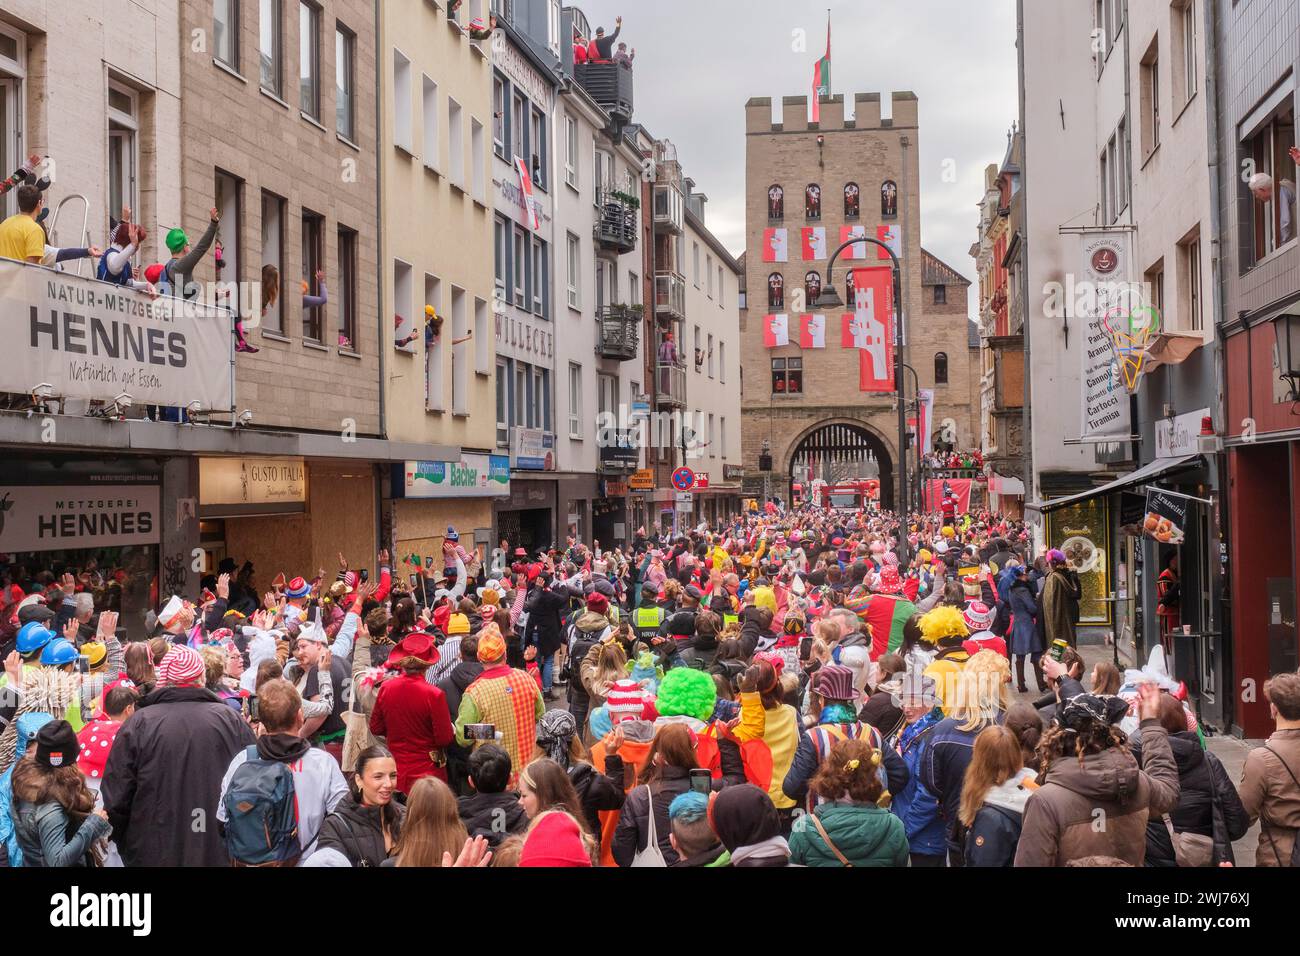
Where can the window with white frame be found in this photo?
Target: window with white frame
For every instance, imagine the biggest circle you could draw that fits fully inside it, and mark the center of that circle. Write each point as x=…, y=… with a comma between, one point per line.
x=455, y=143
x=574, y=251
x=695, y=262
x=435, y=394
x=713, y=449
x=404, y=306
x=606, y=394
x=633, y=289
x=539, y=164
x=722, y=298
x=1150, y=98
x=575, y=401
x=1183, y=32
x=499, y=115
x=501, y=245
x=460, y=356
x=309, y=59
x=553, y=26
x=123, y=148
x=273, y=212
x=482, y=338
x=13, y=72
x=402, y=106
x=225, y=32
x=518, y=114
x=345, y=58
x=722, y=436
x=540, y=277
x=722, y=362
x=429, y=107
x=1189, y=254
x=503, y=403
x=478, y=161
x=710, y=356
x=520, y=263
x=708, y=274
x=519, y=396
x=270, y=47
x=571, y=151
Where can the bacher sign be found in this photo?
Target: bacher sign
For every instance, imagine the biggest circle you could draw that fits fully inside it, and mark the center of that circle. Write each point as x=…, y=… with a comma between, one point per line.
x=95, y=340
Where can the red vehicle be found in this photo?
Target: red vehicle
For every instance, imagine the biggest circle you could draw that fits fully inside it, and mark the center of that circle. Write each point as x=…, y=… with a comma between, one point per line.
x=846, y=495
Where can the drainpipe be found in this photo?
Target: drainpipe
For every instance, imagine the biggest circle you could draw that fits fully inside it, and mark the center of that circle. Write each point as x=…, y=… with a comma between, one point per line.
x=381, y=272
x=1027, y=440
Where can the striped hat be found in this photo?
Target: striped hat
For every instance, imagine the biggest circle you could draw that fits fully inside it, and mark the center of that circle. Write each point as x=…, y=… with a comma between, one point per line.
x=182, y=667
x=978, y=616
x=626, y=701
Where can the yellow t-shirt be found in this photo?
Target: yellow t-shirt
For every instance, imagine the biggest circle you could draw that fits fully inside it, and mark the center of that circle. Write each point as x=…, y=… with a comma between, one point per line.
x=21, y=238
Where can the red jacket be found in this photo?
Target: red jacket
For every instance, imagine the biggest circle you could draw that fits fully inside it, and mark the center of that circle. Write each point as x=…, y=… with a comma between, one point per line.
x=413, y=715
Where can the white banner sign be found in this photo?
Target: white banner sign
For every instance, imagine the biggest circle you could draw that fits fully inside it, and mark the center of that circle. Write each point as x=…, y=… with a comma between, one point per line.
x=1104, y=286
x=252, y=481
x=55, y=518
x=96, y=340
x=1176, y=438
x=473, y=476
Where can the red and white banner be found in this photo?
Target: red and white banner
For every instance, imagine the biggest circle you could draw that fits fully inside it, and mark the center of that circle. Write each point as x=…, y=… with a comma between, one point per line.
x=776, y=331
x=858, y=250
x=870, y=328
x=812, y=331
x=526, y=187
x=814, y=243
x=961, y=489
x=891, y=236
x=776, y=245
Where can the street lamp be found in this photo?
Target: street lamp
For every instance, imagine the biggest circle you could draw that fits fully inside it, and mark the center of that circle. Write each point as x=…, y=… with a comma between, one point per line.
x=1286, y=329
x=830, y=299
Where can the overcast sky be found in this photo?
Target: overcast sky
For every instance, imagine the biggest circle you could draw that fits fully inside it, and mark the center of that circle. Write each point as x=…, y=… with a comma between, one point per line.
x=698, y=61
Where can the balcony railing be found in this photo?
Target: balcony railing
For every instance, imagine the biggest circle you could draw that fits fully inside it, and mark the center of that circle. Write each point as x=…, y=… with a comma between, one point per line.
x=671, y=384
x=669, y=208
x=616, y=225
x=670, y=295
x=620, y=333
x=610, y=85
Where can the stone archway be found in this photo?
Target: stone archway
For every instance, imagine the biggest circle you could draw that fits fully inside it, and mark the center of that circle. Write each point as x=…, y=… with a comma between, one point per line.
x=842, y=450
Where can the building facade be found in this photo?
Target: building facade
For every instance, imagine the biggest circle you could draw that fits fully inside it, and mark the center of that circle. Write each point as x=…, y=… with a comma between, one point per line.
x=1258, y=283
x=439, y=343
x=808, y=188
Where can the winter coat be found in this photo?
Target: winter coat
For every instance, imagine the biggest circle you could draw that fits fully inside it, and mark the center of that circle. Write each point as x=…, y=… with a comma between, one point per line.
x=356, y=830
x=914, y=804
x=943, y=770
x=1060, y=821
x=454, y=684
x=164, y=772
x=494, y=816
x=1025, y=636
x=633, y=824
x=49, y=837
x=866, y=835
x=1202, y=781
x=752, y=634
x=597, y=791
x=585, y=633
x=411, y=714
x=544, y=608
x=991, y=839
x=1270, y=795
x=807, y=760
x=1060, y=607
x=881, y=712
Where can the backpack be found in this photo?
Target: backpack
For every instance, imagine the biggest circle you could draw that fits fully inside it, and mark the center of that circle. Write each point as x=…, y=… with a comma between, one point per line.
x=261, y=812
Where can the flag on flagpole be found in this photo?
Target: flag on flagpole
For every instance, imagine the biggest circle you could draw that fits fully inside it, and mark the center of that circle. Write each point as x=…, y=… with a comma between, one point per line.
x=822, y=75
x=526, y=188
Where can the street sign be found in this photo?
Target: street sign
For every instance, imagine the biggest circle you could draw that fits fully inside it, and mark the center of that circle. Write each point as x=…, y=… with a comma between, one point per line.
x=643, y=480
x=683, y=479
x=685, y=497
x=685, y=507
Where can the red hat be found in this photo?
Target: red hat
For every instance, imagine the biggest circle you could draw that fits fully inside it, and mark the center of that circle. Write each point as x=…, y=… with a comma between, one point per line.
x=153, y=273
x=96, y=740
x=889, y=582
x=555, y=840
x=442, y=617
x=417, y=644
x=534, y=570
x=978, y=616
x=597, y=603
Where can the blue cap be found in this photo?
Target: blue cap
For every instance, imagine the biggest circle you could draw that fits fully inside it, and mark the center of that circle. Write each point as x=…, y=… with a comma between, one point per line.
x=32, y=637
x=28, y=726
x=452, y=534
x=57, y=653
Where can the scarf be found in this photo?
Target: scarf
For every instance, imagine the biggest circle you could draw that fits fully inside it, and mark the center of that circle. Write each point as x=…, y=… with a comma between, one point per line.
x=554, y=732
x=838, y=713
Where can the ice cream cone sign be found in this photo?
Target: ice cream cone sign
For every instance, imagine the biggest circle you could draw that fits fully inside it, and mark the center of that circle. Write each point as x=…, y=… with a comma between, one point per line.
x=1130, y=333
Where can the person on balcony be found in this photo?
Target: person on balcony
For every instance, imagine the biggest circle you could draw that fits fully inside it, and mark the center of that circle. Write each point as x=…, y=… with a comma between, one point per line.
x=477, y=31
x=601, y=49
x=179, y=270
x=115, y=265
x=623, y=58
x=21, y=237
x=668, y=350
x=580, y=46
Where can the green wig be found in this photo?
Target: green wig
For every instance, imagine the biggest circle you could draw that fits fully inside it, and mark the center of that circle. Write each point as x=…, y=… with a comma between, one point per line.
x=686, y=692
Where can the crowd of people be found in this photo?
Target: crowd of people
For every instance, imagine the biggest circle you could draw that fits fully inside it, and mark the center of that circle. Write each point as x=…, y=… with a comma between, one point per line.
x=779, y=691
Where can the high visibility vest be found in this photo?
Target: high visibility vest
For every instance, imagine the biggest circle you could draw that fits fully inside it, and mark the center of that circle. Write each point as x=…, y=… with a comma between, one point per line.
x=647, y=620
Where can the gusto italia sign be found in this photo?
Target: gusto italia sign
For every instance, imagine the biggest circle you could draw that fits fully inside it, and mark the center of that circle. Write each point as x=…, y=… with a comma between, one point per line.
x=54, y=517
x=95, y=340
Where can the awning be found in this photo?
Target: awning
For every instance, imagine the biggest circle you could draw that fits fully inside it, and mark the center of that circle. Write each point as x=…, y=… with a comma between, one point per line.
x=1172, y=348
x=1000, y=485
x=1157, y=469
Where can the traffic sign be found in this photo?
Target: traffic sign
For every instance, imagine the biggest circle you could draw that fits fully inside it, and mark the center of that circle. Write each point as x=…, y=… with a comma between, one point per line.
x=683, y=479
x=685, y=507
x=685, y=497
